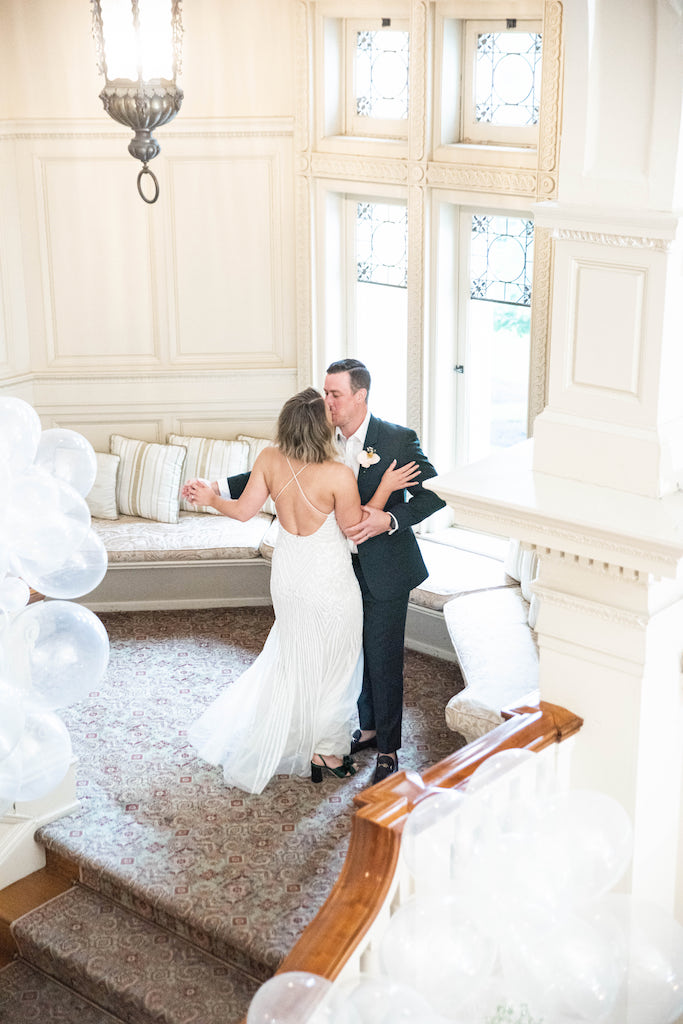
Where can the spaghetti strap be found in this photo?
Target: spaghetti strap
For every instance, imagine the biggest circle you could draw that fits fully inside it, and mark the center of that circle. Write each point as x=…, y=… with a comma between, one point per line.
x=295, y=478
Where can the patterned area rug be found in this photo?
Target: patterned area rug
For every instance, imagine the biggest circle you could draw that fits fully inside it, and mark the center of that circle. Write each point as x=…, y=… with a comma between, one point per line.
x=158, y=831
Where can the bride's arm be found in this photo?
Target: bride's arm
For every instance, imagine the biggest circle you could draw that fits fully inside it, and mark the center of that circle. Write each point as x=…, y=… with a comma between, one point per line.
x=393, y=479
x=251, y=500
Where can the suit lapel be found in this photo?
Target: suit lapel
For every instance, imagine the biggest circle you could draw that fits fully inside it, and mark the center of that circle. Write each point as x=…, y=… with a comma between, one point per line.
x=369, y=478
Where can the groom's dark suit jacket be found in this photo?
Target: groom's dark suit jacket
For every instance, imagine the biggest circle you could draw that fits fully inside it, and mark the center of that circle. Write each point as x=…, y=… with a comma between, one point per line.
x=391, y=563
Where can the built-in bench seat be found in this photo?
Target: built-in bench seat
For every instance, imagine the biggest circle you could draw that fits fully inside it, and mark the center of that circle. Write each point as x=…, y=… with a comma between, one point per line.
x=209, y=561
x=470, y=608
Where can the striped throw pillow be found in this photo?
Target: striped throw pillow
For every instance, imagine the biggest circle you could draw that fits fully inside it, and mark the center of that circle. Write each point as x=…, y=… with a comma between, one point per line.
x=149, y=478
x=256, y=446
x=209, y=459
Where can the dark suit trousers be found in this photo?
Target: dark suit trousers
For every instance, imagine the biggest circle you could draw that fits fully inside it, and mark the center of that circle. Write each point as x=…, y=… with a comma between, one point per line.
x=380, y=705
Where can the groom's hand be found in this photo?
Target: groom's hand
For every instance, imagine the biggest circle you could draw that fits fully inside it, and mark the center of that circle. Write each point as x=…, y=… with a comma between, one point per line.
x=374, y=522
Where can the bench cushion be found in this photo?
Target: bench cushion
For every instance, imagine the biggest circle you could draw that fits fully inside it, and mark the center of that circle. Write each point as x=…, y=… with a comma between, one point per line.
x=498, y=657
x=454, y=571
x=194, y=537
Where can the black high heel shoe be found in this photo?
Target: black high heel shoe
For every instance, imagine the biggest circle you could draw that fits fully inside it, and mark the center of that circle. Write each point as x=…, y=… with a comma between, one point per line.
x=345, y=769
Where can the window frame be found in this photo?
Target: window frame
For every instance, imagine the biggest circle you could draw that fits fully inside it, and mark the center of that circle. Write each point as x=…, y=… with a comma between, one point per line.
x=354, y=124
x=471, y=131
x=450, y=341
x=333, y=62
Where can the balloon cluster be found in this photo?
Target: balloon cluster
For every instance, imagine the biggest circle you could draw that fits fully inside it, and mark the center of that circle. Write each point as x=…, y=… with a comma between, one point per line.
x=512, y=919
x=52, y=652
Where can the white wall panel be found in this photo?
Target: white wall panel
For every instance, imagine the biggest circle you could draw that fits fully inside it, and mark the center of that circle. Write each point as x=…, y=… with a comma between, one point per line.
x=228, y=260
x=607, y=326
x=97, y=261
x=231, y=247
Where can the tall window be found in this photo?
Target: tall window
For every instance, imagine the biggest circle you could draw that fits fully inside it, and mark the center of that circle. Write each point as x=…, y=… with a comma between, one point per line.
x=379, y=303
x=481, y=336
x=499, y=322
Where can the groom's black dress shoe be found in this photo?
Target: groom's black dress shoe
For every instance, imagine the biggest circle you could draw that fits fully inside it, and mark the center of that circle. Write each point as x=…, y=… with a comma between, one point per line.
x=358, y=744
x=386, y=766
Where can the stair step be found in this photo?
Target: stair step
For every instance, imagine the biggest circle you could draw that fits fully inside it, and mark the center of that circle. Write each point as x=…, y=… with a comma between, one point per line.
x=130, y=966
x=28, y=995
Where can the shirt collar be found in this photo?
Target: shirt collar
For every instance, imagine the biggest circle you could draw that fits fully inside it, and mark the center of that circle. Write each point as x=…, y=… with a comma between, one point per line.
x=358, y=435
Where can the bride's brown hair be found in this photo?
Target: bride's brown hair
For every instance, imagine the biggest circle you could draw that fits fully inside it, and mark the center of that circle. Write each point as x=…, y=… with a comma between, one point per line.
x=303, y=429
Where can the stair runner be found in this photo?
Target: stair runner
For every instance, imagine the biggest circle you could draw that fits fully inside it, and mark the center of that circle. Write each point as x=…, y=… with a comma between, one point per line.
x=85, y=959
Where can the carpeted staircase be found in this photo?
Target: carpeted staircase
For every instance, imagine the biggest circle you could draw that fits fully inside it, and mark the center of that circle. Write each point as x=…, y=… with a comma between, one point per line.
x=190, y=893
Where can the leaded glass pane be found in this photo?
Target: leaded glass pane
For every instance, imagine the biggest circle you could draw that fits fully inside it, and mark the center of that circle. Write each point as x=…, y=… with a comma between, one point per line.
x=502, y=259
x=381, y=74
x=382, y=243
x=508, y=78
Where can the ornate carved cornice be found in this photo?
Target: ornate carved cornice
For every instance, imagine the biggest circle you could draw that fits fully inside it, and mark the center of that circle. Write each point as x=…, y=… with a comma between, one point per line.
x=614, y=240
x=355, y=168
x=570, y=603
x=482, y=178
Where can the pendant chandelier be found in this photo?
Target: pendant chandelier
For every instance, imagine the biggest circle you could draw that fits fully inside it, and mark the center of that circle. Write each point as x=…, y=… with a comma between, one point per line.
x=138, y=45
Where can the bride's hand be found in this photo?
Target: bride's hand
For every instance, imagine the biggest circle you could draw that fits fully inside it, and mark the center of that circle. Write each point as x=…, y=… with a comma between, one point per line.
x=198, y=492
x=400, y=478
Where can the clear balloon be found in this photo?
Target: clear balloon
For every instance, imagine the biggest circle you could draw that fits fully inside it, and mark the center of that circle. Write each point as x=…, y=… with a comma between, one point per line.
x=12, y=717
x=590, y=841
x=68, y=456
x=497, y=767
x=43, y=754
x=568, y=967
x=46, y=523
x=430, y=837
x=372, y=999
x=653, y=942
x=14, y=594
x=19, y=434
x=433, y=947
x=61, y=650
x=293, y=997
x=82, y=571
x=10, y=771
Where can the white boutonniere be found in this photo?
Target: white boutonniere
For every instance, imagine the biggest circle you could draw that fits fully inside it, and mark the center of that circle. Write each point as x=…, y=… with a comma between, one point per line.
x=368, y=457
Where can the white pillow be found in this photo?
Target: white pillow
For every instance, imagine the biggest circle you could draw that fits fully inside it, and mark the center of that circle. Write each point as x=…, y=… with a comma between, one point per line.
x=102, y=497
x=149, y=478
x=209, y=459
x=256, y=446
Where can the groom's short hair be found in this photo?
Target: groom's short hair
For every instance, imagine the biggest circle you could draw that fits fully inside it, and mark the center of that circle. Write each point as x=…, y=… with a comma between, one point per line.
x=359, y=375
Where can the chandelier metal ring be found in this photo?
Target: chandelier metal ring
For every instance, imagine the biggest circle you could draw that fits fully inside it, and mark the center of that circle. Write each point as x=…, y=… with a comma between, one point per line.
x=153, y=199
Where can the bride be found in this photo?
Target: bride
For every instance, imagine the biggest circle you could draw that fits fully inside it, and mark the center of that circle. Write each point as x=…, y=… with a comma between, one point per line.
x=294, y=708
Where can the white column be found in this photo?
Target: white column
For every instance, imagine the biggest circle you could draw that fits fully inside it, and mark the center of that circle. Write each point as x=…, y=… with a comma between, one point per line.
x=597, y=492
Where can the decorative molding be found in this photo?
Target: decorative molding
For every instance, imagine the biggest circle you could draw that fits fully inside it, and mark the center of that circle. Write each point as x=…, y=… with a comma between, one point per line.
x=303, y=208
x=612, y=240
x=585, y=606
x=415, y=315
x=304, y=283
x=539, y=355
x=481, y=178
x=359, y=168
x=418, y=75
x=206, y=128
x=302, y=79
x=551, y=93
x=503, y=522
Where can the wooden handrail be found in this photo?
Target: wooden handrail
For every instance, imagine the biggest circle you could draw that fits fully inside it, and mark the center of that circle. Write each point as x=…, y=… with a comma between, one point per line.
x=358, y=895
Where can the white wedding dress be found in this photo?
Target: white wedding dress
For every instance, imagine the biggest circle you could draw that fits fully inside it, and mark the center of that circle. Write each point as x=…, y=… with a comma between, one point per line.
x=299, y=696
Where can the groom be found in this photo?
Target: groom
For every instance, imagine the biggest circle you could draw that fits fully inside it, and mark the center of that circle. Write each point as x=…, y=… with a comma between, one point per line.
x=387, y=559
